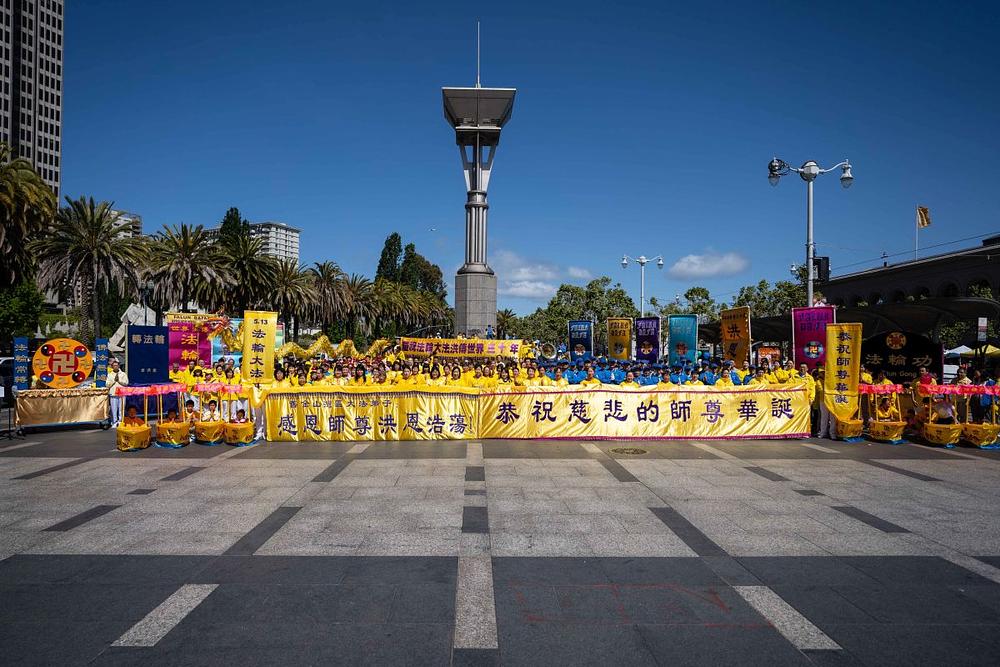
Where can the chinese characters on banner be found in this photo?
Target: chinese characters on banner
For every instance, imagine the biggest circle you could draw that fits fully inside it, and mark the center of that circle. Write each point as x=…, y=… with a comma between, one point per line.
x=581, y=339
x=22, y=364
x=188, y=341
x=461, y=347
x=736, y=334
x=647, y=339
x=101, y=362
x=147, y=353
x=843, y=369
x=452, y=413
x=682, y=330
x=809, y=334
x=620, y=337
x=901, y=354
x=259, y=329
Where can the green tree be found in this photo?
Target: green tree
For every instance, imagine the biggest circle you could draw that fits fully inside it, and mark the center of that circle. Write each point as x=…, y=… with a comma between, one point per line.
x=765, y=300
x=27, y=206
x=89, y=248
x=389, y=261
x=292, y=294
x=20, y=310
x=234, y=227
x=251, y=272
x=597, y=301
x=185, y=265
x=507, y=322
x=421, y=274
x=328, y=286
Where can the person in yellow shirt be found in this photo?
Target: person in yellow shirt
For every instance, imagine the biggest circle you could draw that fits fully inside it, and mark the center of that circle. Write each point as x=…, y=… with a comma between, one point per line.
x=532, y=379
x=759, y=377
x=435, y=379
x=280, y=381
x=803, y=378
x=489, y=380
x=590, y=380
x=456, y=379
x=886, y=410
x=866, y=377
x=360, y=378
x=177, y=375
x=725, y=379
x=405, y=378
x=132, y=418
x=557, y=378
x=783, y=375
x=665, y=382
x=629, y=382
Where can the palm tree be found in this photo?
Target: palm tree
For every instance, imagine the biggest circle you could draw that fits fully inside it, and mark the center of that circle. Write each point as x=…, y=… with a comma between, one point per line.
x=359, y=302
x=27, y=206
x=293, y=292
x=328, y=284
x=185, y=264
x=88, y=248
x=252, y=273
x=506, y=320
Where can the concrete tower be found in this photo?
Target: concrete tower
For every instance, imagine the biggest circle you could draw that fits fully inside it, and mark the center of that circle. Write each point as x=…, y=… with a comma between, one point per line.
x=477, y=114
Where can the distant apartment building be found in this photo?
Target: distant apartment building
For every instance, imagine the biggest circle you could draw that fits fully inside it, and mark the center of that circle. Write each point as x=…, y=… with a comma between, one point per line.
x=280, y=240
x=31, y=64
x=134, y=220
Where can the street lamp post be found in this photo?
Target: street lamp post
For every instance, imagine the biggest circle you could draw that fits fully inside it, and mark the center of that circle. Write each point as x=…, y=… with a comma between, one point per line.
x=808, y=172
x=642, y=260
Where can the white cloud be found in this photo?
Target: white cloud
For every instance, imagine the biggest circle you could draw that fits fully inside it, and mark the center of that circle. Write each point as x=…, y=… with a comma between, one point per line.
x=528, y=289
x=711, y=264
x=578, y=273
x=511, y=266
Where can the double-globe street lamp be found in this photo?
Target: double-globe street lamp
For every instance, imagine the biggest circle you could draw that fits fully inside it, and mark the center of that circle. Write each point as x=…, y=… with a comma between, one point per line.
x=808, y=171
x=642, y=260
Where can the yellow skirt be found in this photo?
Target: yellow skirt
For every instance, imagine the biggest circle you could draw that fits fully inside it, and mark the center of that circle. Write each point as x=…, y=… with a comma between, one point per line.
x=173, y=435
x=239, y=434
x=886, y=431
x=980, y=435
x=209, y=433
x=133, y=438
x=943, y=434
x=849, y=428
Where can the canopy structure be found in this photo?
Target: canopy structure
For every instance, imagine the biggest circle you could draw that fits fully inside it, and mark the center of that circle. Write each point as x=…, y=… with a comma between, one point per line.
x=922, y=316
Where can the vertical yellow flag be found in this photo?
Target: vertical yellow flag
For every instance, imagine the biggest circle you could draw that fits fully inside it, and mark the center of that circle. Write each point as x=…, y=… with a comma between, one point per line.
x=259, y=330
x=620, y=337
x=736, y=334
x=843, y=369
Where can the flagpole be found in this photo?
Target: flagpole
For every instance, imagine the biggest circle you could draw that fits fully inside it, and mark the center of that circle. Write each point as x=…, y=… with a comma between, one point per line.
x=916, y=232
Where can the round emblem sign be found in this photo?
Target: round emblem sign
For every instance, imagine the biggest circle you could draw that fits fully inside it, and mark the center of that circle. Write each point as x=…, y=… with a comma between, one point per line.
x=896, y=340
x=62, y=363
x=813, y=349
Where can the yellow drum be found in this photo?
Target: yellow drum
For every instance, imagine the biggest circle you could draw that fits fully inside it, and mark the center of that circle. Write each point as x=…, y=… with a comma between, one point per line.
x=849, y=428
x=943, y=434
x=239, y=435
x=209, y=433
x=886, y=431
x=133, y=438
x=980, y=435
x=173, y=435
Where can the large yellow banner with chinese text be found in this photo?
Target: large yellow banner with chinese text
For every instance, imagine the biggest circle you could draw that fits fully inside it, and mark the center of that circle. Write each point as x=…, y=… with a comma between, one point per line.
x=463, y=347
x=434, y=413
x=843, y=369
x=620, y=337
x=259, y=331
x=357, y=413
x=736, y=334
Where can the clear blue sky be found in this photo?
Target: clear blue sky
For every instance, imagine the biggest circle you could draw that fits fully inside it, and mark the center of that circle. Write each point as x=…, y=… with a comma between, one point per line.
x=642, y=128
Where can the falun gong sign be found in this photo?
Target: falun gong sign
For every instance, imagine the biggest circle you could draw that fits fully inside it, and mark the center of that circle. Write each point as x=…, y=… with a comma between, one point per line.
x=62, y=363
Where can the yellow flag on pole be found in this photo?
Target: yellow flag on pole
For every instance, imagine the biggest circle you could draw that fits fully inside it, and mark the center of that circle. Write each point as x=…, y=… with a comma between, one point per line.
x=923, y=217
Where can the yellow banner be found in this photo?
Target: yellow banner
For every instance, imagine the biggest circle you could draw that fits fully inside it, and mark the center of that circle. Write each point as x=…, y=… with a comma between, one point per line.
x=463, y=347
x=843, y=369
x=357, y=413
x=620, y=337
x=736, y=334
x=259, y=331
x=436, y=413
x=196, y=318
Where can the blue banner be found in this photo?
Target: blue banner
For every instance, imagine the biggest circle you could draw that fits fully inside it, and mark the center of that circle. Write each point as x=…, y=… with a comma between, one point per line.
x=146, y=355
x=22, y=364
x=581, y=339
x=101, y=362
x=682, y=330
x=647, y=339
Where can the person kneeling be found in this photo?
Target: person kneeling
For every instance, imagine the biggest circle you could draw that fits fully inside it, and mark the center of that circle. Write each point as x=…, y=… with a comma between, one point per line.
x=132, y=418
x=241, y=417
x=212, y=414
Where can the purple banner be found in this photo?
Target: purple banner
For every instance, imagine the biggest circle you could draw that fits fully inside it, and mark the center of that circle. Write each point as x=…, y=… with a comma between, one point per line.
x=809, y=334
x=647, y=339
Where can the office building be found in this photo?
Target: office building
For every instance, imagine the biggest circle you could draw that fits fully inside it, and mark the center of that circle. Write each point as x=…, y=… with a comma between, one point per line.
x=31, y=40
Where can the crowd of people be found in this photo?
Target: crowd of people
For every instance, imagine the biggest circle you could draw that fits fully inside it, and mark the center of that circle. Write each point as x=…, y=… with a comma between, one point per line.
x=230, y=402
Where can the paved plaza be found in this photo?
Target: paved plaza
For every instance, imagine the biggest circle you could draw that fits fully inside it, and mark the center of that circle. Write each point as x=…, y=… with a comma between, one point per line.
x=498, y=552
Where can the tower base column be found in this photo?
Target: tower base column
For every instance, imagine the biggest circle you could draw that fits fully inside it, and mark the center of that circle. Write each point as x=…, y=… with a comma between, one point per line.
x=475, y=303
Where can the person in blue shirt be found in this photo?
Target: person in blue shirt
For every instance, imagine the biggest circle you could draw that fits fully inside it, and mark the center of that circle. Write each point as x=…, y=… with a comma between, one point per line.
x=677, y=375
x=603, y=374
x=711, y=375
x=750, y=376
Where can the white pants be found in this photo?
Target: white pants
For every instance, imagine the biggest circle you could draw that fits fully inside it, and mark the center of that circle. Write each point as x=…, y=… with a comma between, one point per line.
x=827, y=422
x=116, y=409
x=229, y=408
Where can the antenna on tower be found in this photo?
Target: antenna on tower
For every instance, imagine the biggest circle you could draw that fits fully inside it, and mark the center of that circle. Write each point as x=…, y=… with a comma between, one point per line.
x=477, y=55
